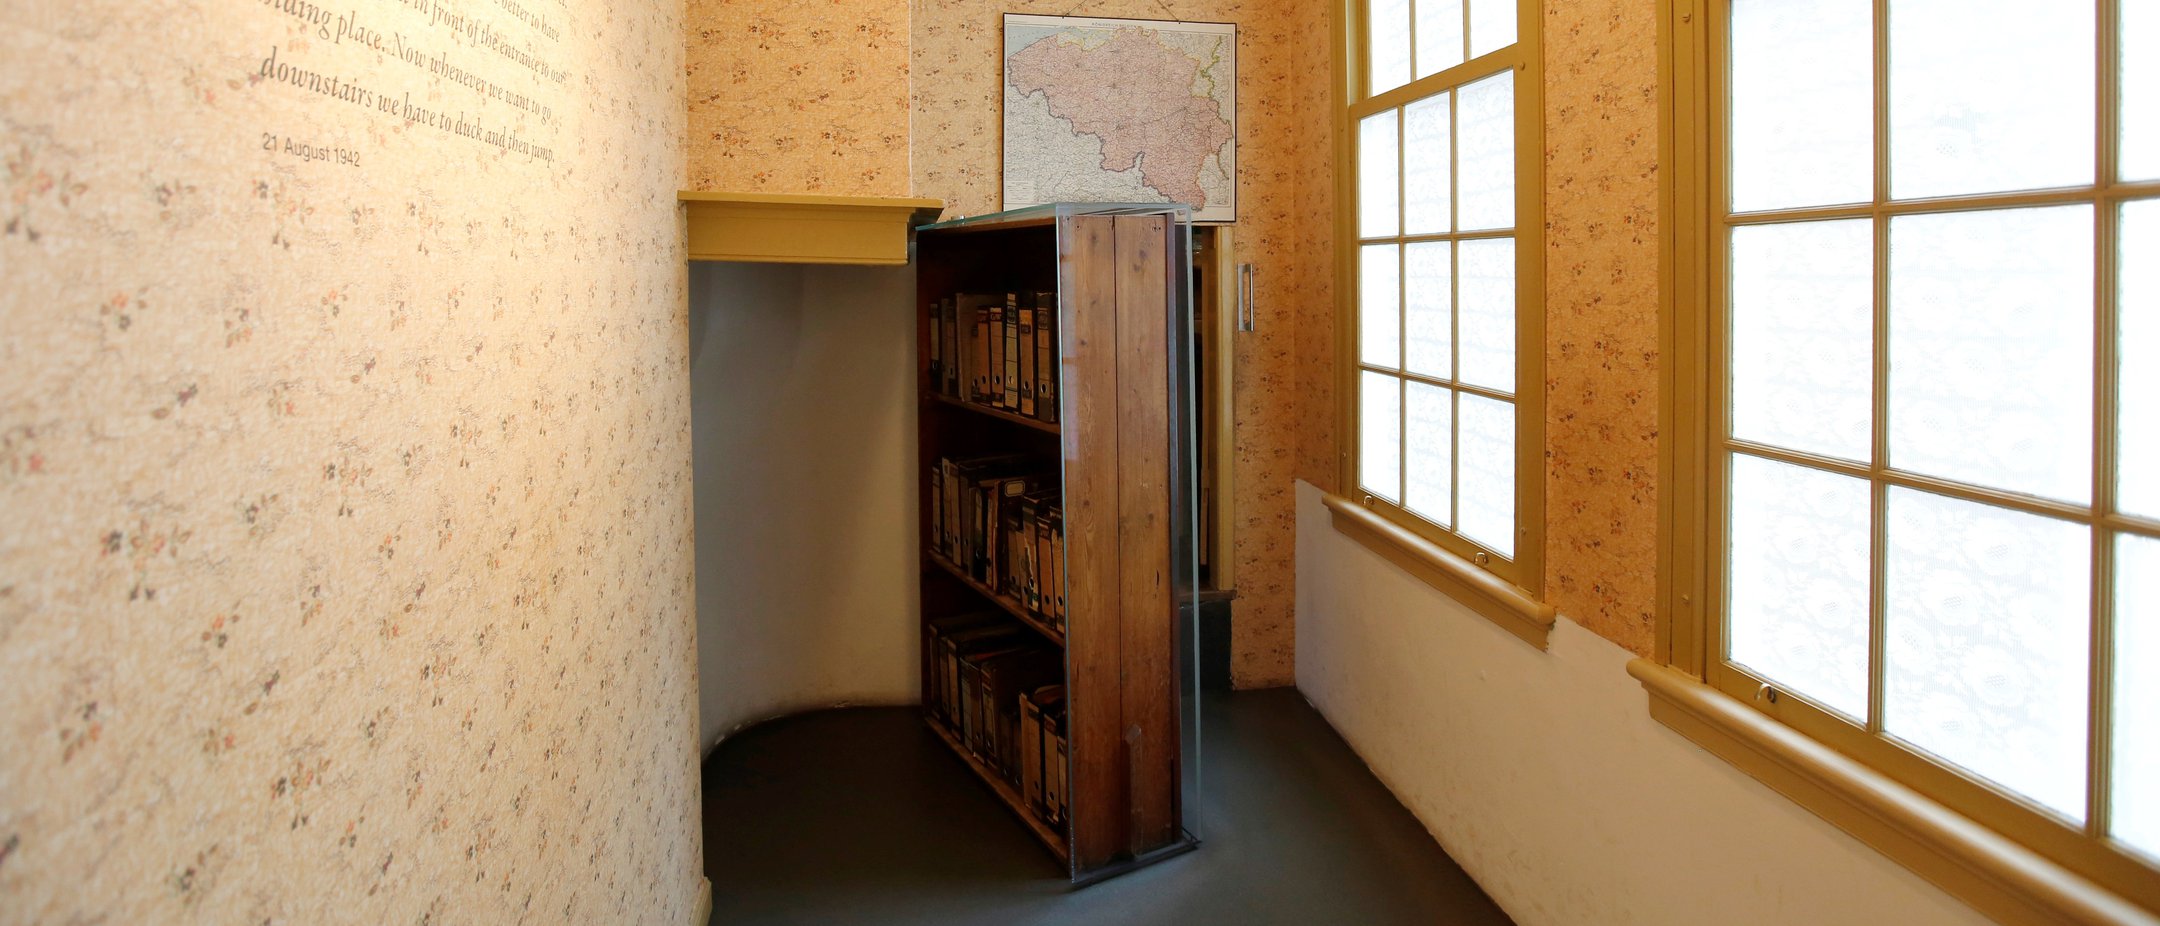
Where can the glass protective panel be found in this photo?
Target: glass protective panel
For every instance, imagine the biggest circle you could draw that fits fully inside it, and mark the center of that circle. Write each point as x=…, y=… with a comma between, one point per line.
x=1379, y=434
x=1430, y=287
x=1803, y=103
x=2137, y=472
x=1389, y=31
x=1379, y=305
x=1485, y=145
x=1426, y=158
x=1989, y=95
x=1798, y=588
x=1487, y=323
x=1803, y=336
x=1376, y=175
x=1439, y=36
x=1431, y=416
x=1492, y=26
x=1987, y=620
x=1485, y=501
x=2137, y=693
x=1991, y=348
x=2139, y=98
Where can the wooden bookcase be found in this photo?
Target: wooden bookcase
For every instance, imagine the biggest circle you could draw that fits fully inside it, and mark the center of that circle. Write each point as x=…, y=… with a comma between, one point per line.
x=1117, y=452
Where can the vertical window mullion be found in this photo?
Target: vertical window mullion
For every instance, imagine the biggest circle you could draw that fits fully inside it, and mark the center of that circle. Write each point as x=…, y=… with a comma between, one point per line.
x=1455, y=289
x=1878, y=553
x=1466, y=31
x=2100, y=678
x=1412, y=14
x=1402, y=283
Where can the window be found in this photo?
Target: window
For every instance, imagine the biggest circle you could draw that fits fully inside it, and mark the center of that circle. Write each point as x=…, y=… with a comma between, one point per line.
x=1930, y=469
x=1444, y=283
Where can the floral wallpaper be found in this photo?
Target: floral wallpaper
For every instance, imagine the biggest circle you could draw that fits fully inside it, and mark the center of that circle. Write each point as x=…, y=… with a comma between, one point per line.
x=345, y=462
x=1601, y=291
x=799, y=97
x=797, y=75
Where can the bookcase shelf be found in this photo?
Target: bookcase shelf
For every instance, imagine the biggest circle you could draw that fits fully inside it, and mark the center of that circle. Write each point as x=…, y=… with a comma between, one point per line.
x=1050, y=838
x=1054, y=439
x=1047, y=427
x=1016, y=609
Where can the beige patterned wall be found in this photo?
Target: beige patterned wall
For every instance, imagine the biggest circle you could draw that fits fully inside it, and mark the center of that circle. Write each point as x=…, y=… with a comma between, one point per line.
x=1601, y=200
x=345, y=467
x=802, y=96
x=1601, y=282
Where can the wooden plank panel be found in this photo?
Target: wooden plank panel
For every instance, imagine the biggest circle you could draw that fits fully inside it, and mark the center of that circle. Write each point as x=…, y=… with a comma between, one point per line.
x=1145, y=608
x=1088, y=408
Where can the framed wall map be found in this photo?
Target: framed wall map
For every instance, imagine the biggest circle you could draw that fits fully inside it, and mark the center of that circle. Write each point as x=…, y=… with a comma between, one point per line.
x=1121, y=110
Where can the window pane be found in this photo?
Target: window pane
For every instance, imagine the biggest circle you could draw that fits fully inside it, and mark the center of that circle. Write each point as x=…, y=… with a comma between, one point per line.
x=1390, y=33
x=1799, y=580
x=1487, y=326
x=1803, y=103
x=1989, y=95
x=1426, y=160
x=2139, y=99
x=1485, y=143
x=1376, y=175
x=1432, y=435
x=1379, y=305
x=1988, y=618
x=2137, y=690
x=2137, y=300
x=1803, y=336
x=1439, y=36
x=1430, y=348
x=1486, y=500
x=1379, y=434
x=1492, y=26
x=1991, y=348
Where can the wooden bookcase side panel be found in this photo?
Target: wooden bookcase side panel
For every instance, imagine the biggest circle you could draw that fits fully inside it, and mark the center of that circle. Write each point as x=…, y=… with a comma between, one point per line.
x=1145, y=608
x=1087, y=316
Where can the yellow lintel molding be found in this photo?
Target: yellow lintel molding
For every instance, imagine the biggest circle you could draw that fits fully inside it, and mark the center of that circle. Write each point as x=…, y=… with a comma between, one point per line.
x=780, y=228
x=1479, y=590
x=1997, y=876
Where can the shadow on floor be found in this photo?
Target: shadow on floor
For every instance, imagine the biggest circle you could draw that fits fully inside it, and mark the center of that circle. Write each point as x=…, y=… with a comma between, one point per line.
x=861, y=816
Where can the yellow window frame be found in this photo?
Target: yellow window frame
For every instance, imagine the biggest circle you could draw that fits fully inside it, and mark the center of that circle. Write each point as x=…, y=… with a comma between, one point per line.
x=1991, y=849
x=1506, y=589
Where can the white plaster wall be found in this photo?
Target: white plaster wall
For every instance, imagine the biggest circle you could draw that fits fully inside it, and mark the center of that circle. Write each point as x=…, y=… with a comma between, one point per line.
x=1543, y=775
x=803, y=450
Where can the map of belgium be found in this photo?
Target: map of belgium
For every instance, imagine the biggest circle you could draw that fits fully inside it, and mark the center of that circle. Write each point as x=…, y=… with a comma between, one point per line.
x=1120, y=110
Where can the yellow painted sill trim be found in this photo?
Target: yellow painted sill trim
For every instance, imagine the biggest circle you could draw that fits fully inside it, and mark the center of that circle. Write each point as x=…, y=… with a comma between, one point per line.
x=1987, y=870
x=791, y=229
x=1489, y=595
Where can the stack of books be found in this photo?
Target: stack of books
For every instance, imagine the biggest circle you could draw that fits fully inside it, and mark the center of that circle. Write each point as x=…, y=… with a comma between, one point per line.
x=998, y=350
x=993, y=687
x=1000, y=521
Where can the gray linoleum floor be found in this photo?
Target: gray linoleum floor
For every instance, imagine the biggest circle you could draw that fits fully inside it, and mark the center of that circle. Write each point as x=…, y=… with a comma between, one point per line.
x=861, y=816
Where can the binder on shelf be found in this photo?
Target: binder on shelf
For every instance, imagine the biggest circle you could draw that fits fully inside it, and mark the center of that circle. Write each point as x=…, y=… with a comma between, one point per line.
x=935, y=631
x=975, y=313
x=1010, y=399
x=1046, y=354
x=937, y=348
x=1028, y=354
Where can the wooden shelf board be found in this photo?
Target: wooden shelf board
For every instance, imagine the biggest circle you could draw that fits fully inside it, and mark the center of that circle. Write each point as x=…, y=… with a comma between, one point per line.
x=790, y=229
x=1011, y=606
x=1048, y=427
x=1005, y=792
